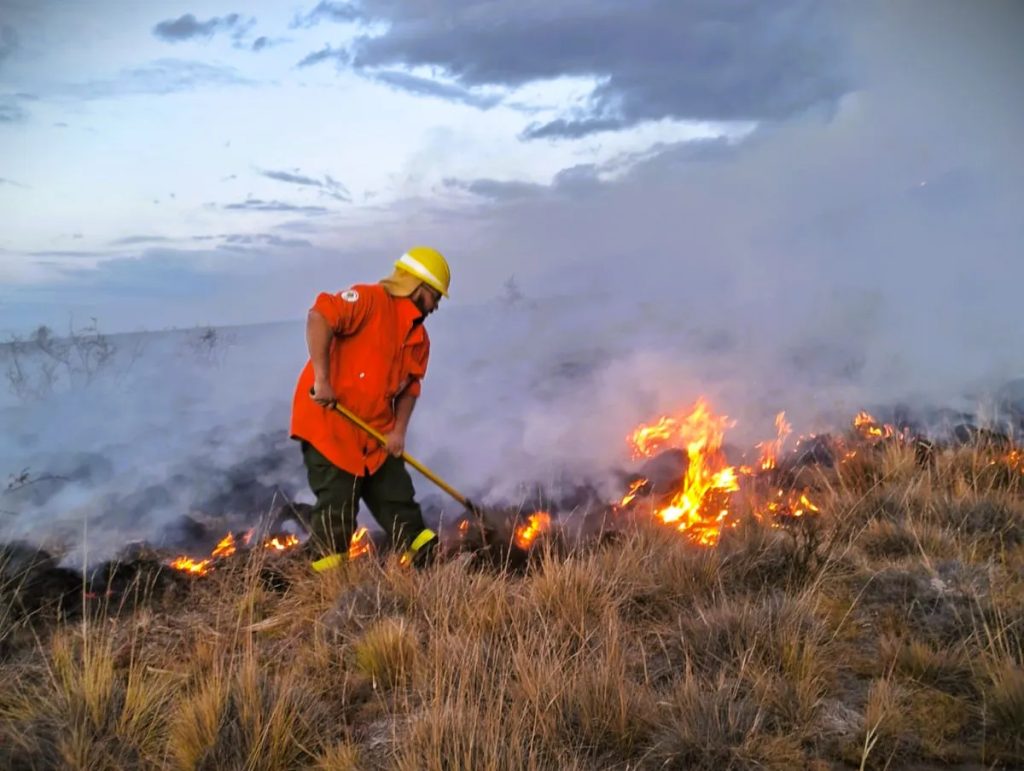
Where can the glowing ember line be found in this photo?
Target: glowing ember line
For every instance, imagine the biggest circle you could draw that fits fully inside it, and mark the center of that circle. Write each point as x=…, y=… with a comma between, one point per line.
x=226, y=547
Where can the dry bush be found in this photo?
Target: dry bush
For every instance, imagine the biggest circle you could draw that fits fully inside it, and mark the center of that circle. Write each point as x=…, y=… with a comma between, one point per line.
x=83, y=708
x=654, y=575
x=756, y=559
x=604, y=711
x=457, y=599
x=387, y=652
x=719, y=725
x=245, y=717
x=573, y=597
x=980, y=469
x=1004, y=710
x=882, y=725
x=997, y=519
x=341, y=757
x=945, y=668
x=468, y=716
x=937, y=603
x=888, y=540
x=776, y=632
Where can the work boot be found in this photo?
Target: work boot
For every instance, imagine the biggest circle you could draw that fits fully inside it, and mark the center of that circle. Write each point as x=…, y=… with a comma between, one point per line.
x=422, y=550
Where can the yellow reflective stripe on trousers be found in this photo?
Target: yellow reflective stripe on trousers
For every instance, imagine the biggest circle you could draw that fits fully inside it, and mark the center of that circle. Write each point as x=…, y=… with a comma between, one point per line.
x=425, y=537
x=329, y=562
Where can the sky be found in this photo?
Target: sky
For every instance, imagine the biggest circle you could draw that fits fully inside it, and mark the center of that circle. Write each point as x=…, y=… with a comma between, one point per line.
x=173, y=164
x=796, y=205
x=156, y=154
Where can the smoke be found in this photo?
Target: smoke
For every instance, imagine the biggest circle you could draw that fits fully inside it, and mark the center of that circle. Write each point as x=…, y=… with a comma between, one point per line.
x=869, y=257
x=173, y=425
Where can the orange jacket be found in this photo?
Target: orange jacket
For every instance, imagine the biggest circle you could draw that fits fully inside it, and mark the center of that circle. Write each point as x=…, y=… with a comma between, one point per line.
x=380, y=349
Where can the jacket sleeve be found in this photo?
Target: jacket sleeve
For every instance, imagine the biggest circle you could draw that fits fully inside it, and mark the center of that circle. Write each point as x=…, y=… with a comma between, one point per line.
x=416, y=364
x=345, y=311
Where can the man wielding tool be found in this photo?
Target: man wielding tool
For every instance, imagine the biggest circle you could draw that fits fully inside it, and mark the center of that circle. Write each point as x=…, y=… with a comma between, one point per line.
x=368, y=351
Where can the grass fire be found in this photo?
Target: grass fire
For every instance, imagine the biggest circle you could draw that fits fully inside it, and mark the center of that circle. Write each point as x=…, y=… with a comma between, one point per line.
x=852, y=599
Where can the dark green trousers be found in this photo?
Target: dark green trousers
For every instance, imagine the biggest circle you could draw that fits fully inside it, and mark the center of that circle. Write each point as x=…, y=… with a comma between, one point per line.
x=388, y=493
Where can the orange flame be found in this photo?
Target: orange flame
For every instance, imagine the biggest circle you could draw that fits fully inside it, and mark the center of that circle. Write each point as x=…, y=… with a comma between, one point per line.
x=868, y=428
x=701, y=509
x=634, y=490
x=360, y=544
x=770, y=450
x=281, y=542
x=189, y=565
x=701, y=505
x=787, y=504
x=225, y=548
x=536, y=524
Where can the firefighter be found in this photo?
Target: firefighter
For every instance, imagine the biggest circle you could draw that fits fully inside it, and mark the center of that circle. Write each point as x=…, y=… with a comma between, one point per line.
x=368, y=351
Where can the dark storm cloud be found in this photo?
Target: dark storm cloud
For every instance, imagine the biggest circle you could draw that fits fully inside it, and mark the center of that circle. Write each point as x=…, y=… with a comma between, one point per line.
x=426, y=87
x=498, y=190
x=339, y=55
x=188, y=27
x=263, y=42
x=654, y=59
x=575, y=181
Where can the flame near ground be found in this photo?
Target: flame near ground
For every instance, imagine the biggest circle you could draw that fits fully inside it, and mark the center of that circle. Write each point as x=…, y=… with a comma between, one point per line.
x=703, y=503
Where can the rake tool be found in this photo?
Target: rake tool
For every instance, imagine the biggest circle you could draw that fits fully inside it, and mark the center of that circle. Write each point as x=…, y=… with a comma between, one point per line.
x=462, y=499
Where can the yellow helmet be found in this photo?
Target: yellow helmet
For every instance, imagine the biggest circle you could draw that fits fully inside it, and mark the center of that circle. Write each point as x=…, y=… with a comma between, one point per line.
x=428, y=265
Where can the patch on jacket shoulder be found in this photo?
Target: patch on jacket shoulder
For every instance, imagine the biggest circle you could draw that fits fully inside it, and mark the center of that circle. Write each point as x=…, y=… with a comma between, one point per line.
x=350, y=296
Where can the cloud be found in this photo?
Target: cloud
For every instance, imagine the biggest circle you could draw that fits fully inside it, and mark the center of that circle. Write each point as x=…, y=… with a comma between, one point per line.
x=498, y=190
x=11, y=110
x=655, y=59
x=328, y=11
x=8, y=41
x=573, y=129
x=188, y=27
x=340, y=56
x=256, y=204
x=327, y=186
x=576, y=181
x=136, y=240
x=12, y=183
x=266, y=239
x=263, y=42
x=426, y=87
x=163, y=76
x=69, y=253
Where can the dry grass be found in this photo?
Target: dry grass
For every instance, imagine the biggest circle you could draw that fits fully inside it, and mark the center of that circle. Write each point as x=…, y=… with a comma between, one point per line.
x=888, y=632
